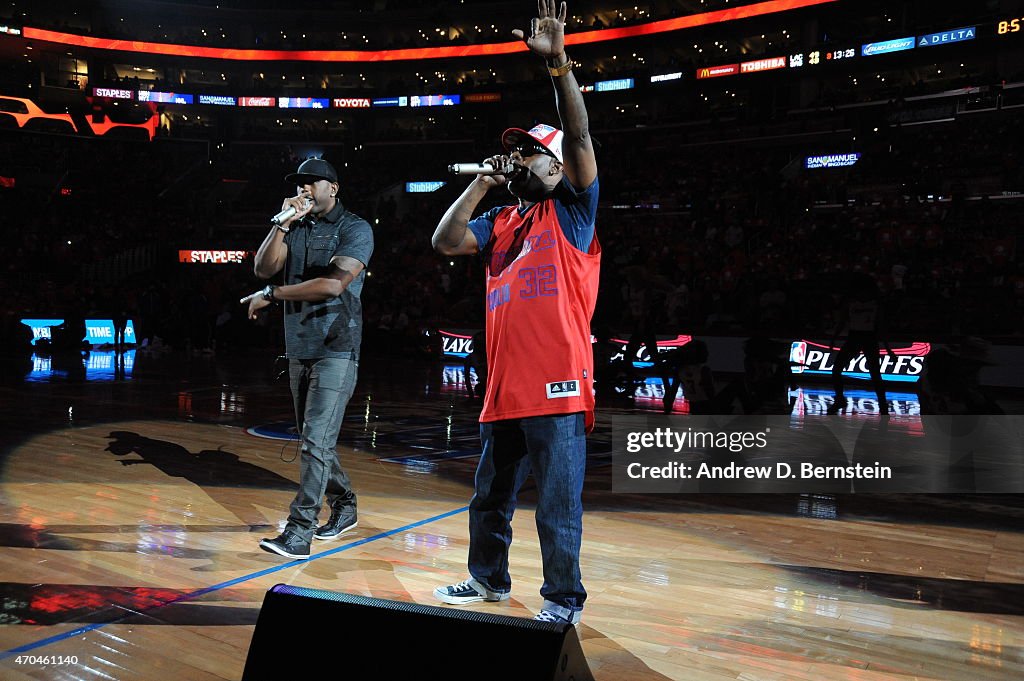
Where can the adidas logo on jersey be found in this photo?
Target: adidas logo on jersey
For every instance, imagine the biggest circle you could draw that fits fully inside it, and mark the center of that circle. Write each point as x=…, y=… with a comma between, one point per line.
x=563, y=389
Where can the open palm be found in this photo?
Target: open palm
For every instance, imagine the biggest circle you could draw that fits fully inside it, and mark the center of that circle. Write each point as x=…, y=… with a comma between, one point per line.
x=547, y=31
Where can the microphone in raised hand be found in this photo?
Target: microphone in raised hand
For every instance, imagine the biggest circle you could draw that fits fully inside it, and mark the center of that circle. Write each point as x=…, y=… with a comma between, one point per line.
x=291, y=211
x=486, y=168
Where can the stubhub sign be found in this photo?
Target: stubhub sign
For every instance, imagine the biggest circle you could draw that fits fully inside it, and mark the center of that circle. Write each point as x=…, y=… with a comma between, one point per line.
x=97, y=331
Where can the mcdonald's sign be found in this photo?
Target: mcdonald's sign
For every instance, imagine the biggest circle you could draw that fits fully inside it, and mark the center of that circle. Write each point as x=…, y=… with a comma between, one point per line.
x=718, y=71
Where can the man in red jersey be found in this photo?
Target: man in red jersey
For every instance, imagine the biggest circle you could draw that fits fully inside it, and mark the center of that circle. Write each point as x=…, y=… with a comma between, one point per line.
x=542, y=266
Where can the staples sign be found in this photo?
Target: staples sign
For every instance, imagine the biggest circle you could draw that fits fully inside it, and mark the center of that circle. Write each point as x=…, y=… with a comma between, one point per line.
x=114, y=93
x=212, y=257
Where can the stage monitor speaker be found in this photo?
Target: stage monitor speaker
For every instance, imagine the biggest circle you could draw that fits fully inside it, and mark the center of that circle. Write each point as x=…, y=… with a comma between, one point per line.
x=316, y=634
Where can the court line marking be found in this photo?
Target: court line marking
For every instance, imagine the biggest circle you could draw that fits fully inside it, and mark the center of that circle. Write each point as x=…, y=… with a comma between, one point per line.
x=223, y=585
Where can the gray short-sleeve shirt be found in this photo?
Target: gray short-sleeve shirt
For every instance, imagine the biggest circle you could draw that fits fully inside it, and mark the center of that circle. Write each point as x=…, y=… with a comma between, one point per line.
x=333, y=327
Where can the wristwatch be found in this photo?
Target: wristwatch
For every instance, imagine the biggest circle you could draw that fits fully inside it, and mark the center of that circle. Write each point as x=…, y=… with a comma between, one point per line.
x=561, y=70
x=268, y=293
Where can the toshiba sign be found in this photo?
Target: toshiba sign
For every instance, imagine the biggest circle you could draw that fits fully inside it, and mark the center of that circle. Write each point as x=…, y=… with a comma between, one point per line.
x=352, y=103
x=212, y=257
x=763, y=65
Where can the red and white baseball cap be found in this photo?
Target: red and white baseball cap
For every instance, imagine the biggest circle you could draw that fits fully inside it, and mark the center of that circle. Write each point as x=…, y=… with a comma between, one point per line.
x=546, y=139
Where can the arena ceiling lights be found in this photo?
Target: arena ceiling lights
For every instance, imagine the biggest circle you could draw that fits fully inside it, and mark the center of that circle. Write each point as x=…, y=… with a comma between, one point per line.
x=491, y=49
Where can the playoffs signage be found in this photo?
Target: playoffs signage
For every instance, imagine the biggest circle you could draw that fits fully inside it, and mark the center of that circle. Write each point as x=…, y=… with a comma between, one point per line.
x=456, y=344
x=807, y=357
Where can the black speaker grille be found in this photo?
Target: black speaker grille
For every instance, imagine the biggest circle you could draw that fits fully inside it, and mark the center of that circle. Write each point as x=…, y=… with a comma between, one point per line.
x=431, y=610
x=400, y=640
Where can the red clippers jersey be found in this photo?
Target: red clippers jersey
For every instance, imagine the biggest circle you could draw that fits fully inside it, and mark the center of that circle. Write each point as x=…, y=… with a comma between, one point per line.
x=541, y=293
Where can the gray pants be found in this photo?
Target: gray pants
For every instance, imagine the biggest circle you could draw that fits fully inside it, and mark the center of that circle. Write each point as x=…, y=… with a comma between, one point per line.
x=320, y=390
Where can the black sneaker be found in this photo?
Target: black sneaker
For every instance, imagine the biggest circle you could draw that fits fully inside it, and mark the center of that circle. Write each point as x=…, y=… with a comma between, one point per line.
x=343, y=519
x=469, y=591
x=288, y=545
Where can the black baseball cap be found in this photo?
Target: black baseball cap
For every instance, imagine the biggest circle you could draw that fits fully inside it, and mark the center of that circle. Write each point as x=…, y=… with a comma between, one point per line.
x=311, y=170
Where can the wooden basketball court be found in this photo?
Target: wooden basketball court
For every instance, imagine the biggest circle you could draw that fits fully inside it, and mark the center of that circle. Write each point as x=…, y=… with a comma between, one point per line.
x=132, y=509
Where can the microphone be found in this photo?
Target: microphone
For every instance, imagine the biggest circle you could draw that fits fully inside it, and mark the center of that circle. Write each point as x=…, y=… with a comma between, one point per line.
x=480, y=169
x=286, y=214
x=283, y=215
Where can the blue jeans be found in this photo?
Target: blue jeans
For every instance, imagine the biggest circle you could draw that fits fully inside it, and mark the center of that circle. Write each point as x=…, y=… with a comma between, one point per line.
x=555, y=447
x=321, y=389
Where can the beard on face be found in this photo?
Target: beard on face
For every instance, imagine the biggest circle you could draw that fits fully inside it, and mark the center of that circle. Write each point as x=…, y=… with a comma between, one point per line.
x=528, y=186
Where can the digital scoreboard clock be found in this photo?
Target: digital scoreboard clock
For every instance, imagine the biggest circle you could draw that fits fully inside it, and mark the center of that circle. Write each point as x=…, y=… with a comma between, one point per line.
x=1009, y=26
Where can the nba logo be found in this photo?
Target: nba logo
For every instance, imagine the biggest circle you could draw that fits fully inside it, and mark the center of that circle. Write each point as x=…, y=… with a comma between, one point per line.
x=797, y=356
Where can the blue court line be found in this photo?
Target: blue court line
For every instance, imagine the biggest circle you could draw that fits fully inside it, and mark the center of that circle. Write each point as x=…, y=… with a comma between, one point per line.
x=432, y=457
x=223, y=585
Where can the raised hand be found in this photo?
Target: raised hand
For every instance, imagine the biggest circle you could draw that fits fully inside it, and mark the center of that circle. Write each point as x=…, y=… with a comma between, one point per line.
x=547, y=31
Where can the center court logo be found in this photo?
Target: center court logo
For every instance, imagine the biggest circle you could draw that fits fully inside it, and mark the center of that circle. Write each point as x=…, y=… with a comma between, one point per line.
x=280, y=430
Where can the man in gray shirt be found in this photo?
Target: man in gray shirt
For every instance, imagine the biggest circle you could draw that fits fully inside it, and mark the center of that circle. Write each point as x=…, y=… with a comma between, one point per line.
x=323, y=250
